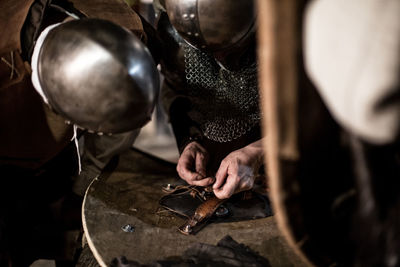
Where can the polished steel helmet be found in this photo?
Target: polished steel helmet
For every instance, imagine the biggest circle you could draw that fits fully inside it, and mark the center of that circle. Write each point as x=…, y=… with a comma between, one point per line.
x=98, y=75
x=221, y=27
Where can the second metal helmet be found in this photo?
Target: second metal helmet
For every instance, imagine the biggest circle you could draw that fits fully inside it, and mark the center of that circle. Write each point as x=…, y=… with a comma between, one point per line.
x=213, y=25
x=98, y=75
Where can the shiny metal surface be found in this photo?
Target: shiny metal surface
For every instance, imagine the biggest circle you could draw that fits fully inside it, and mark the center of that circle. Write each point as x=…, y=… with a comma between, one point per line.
x=98, y=75
x=212, y=25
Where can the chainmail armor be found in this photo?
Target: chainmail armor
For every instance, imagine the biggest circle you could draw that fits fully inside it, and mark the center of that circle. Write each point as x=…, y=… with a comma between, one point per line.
x=225, y=103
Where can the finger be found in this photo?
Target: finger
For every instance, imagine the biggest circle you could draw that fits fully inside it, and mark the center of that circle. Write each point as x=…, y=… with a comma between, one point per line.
x=203, y=182
x=189, y=176
x=221, y=175
x=186, y=161
x=201, y=163
x=228, y=188
x=184, y=168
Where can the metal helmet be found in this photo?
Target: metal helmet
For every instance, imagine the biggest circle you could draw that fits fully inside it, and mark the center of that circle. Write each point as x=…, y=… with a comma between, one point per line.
x=98, y=75
x=221, y=27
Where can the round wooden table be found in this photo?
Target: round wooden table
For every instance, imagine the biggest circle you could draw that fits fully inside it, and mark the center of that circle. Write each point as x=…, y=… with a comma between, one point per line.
x=121, y=217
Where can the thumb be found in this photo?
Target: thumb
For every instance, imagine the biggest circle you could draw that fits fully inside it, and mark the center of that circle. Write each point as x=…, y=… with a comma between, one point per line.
x=221, y=175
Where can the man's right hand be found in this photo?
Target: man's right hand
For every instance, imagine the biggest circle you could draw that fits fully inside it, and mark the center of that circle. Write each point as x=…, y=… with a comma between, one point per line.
x=192, y=165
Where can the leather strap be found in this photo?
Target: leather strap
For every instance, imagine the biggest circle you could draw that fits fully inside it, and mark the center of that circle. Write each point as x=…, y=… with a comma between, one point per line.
x=201, y=215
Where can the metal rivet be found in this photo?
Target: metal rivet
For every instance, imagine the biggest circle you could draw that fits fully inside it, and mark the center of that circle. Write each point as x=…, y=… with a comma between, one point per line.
x=189, y=33
x=128, y=228
x=196, y=34
x=185, y=16
x=222, y=211
x=187, y=228
x=192, y=16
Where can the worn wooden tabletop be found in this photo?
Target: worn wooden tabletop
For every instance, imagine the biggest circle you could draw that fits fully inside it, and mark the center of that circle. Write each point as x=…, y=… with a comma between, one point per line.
x=127, y=193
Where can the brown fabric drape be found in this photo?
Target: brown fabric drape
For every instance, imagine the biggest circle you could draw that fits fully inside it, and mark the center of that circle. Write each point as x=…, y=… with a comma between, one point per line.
x=12, y=18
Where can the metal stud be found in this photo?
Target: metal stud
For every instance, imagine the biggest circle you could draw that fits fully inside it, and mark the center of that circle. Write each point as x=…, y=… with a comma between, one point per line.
x=187, y=229
x=128, y=228
x=222, y=211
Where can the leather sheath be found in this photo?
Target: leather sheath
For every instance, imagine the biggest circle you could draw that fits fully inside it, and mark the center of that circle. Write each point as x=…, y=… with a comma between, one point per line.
x=200, y=206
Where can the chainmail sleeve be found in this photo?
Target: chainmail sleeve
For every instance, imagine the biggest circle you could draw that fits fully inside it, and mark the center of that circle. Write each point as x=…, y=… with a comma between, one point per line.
x=225, y=103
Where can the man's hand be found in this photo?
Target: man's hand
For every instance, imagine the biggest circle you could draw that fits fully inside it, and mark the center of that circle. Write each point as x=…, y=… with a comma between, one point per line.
x=238, y=170
x=192, y=165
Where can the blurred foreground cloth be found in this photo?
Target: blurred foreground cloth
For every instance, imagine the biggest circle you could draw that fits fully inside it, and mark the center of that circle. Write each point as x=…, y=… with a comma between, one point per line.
x=226, y=253
x=352, y=54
